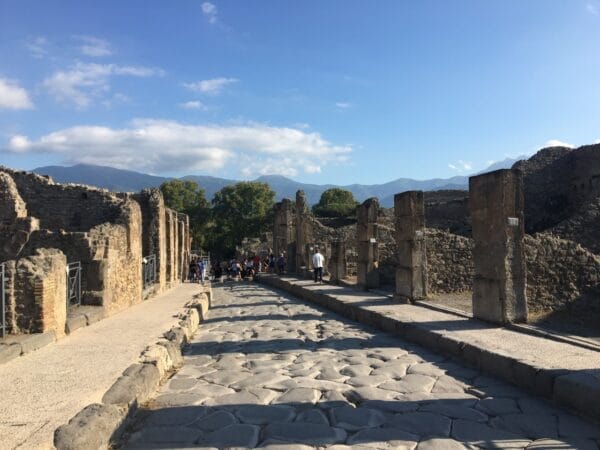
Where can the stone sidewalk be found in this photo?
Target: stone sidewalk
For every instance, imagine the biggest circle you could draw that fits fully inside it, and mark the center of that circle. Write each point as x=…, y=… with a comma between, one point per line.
x=267, y=370
x=44, y=389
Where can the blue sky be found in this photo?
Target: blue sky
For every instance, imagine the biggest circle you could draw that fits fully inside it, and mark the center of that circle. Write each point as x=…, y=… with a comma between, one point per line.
x=322, y=91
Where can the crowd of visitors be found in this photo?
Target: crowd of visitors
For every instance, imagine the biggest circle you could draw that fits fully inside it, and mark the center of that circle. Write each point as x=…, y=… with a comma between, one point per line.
x=248, y=267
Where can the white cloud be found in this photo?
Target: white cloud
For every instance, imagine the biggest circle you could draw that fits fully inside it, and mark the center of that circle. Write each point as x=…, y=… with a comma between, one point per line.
x=461, y=166
x=593, y=8
x=93, y=46
x=193, y=104
x=211, y=87
x=12, y=96
x=83, y=82
x=163, y=146
x=38, y=47
x=210, y=12
x=344, y=105
x=556, y=143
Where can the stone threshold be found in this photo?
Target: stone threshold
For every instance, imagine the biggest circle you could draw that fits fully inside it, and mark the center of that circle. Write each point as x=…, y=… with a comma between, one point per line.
x=567, y=374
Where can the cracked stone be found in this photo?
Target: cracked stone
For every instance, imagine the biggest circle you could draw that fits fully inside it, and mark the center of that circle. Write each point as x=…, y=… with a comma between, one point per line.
x=421, y=423
x=410, y=383
x=262, y=415
x=237, y=435
x=302, y=434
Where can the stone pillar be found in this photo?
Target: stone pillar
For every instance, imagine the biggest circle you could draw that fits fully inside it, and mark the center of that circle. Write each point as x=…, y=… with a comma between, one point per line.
x=303, y=232
x=284, y=232
x=154, y=235
x=170, y=246
x=367, y=246
x=496, y=204
x=338, y=261
x=181, y=246
x=411, y=273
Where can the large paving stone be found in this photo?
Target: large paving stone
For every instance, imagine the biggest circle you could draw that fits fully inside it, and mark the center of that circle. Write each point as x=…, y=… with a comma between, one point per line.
x=384, y=438
x=410, y=383
x=353, y=419
x=259, y=380
x=498, y=406
x=168, y=417
x=215, y=421
x=440, y=444
x=237, y=398
x=367, y=380
x=532, y=426
x=298, y=396
x=363, y=394
x=423, y=424
x=312, y=416
x=304, y=433
x=559, y=444
x=262, y=415
x=454, y=411
x=225, y=377
x=484, y=436
x=429, y=369
x=175, y=436
x=237, y=435
x=573, y=427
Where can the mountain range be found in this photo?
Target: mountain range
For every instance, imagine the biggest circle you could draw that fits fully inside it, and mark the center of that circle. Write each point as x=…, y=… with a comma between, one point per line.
x=118, y=180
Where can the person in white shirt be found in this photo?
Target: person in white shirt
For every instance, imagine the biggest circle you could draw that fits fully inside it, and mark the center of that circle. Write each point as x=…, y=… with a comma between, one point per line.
x=318, y=261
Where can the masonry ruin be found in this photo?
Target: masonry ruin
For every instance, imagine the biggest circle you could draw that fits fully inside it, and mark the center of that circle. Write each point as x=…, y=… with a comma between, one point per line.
x=65, y=246
x=461, y=243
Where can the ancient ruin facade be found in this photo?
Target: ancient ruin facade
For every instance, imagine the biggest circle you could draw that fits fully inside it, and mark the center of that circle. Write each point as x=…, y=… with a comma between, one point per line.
x=114, y=249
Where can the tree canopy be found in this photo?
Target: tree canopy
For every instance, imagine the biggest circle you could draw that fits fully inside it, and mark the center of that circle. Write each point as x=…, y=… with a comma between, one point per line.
x=336, y=202
x=241, y=210
x=187, y=197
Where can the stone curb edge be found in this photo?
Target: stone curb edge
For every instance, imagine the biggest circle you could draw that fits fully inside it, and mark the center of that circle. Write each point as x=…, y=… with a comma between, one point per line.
x=100, y=424
x=576, y=390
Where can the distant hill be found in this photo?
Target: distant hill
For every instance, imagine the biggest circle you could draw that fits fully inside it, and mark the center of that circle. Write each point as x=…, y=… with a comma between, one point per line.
x=118, y=180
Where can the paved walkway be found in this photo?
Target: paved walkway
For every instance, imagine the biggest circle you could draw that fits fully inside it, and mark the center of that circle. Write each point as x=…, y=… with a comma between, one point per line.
x=44, y=389
x=268, y=370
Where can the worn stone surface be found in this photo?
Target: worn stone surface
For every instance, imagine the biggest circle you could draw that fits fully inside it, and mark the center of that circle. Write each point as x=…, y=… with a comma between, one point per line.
x=305, y=376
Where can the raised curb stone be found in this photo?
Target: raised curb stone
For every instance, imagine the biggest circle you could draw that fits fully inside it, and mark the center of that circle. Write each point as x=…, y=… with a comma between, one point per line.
x=92, y=428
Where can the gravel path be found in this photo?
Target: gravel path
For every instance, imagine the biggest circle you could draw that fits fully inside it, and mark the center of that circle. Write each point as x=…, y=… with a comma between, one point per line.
x=42, y=390
x=266, y=370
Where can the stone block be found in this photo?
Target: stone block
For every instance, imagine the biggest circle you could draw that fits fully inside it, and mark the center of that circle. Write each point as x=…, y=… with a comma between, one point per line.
x=158, y=355
x=174, y=351
x=580, y=391
x=9, y=352
x=177, y=335
x=135, y=386
x=36, y=341
x=94, y=427
x=75, y=322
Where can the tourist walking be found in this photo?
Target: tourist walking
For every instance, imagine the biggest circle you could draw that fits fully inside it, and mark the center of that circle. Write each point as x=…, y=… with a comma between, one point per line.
x=281, y=264
x=318, y=261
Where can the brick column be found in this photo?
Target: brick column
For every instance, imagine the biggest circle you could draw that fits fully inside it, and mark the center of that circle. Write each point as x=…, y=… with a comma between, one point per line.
x=411, y=273
x=338, y=261
x=496, y=204
x=367, y=247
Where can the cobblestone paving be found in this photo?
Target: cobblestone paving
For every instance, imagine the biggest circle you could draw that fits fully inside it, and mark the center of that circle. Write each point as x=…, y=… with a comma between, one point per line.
x=266, y=370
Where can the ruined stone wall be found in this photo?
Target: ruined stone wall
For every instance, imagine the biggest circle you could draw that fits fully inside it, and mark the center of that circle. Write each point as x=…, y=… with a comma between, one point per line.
x=67, y=207
x=38, y=301
x=561, y=275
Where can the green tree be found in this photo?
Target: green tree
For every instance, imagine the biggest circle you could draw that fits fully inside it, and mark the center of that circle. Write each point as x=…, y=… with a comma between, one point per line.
x=241, y=210
x=336, y=202
x=187, y=197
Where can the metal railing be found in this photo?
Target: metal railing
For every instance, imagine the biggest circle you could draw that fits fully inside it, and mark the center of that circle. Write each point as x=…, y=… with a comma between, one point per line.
x=149, y=270
x=3, y=298
x=74, y=284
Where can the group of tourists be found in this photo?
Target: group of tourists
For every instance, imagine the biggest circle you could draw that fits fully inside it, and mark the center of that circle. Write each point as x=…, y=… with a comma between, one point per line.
x=197, y=271
x=249, y=267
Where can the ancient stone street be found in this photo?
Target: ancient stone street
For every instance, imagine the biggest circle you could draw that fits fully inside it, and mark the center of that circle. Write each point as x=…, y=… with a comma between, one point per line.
x=266, y=370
